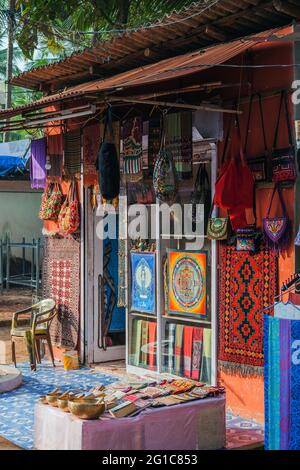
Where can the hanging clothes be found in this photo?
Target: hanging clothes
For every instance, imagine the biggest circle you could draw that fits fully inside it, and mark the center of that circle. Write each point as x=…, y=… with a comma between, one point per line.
x=91, y=141
x=55, y=145
x=72, y=142
x=56, y=170
x=197, y=352
x=38, y=163
x=132, y=148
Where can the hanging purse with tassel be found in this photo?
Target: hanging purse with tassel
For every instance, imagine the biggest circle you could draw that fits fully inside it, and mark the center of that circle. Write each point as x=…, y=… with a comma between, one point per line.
x=277, y=230
x=217, y=227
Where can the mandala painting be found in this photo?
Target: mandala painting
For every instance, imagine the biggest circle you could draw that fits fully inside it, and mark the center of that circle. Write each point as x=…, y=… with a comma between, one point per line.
x=143, y=282
x=187, y=283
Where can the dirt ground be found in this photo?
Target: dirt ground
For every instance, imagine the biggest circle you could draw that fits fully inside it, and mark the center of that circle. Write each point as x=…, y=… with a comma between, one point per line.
x=12, y=300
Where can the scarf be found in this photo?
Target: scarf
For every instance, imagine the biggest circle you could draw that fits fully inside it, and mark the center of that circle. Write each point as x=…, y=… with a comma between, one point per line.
x=132, y=149
x=55, y=145
x=72, y=152
x=144, y=343
x=187, y=350
x=136, y=342
x=152, y=340
x=205, y=375
x=178, y=349
x=37, y=163
x=171, y=347
x=55, y=172
x=91, y=142
x=197, y=352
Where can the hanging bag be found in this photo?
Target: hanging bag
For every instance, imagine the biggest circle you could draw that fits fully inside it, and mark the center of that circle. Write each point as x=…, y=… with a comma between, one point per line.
x=257, y=165
x=69, y=216
x=283, y=159
x=248, y=238
x=277, y=230
x=217, y=227
x=107, y=164
x=43, y=212
x=55, y=202
x=201, y=195
x=164, y=173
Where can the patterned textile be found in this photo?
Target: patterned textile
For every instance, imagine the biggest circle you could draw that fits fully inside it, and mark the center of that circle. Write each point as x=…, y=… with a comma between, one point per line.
x=205, y=375
x=187, y=283
x=152, y=343
x=122, y=273
x=55, y=145
x=91, y=142
x=72, y=141
x=136, y=342
x=144, y=343
x=187, y=350
x=61, y=282
x=143, y=282
x=247, y=286
x=282, y=383
x=178, y=349
x=179, y=142
x=55, y=172
x=132, y=148
x=171, y=347
x=197, y=352
x=37, y=164
x=153, y=142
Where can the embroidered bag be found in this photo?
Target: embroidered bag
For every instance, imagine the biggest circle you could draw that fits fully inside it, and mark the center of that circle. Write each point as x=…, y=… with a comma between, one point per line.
x=257, y=165
x=217, y=227
x=108, y=165
x=201, y=195
x=248, y=238
x=55, y=202
x=69, y=216
x=164, y=173
x=283, y=159
x=43, y=212
x=277, y=230
x=297, y=239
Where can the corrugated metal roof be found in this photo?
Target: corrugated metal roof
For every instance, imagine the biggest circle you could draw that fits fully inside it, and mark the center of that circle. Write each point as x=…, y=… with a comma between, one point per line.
x=193, y=28
x=164, y=70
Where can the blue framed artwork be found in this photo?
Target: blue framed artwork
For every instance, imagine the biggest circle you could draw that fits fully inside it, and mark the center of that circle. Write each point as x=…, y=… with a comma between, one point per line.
x=143, y=282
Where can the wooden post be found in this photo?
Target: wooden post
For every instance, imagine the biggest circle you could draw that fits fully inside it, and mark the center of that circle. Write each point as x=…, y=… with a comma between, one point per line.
x=296, y=55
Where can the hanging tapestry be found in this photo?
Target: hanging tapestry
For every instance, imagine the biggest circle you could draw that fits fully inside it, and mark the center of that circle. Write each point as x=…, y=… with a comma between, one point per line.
x=187, y=283
x=154, y=137
x=282, y=383
x=55, y=145
x=247, y=286
x=91, y=142
x=179, y=142
x=72, y=141
x=132, y=148
x=143, y=282
x=114, y=315
x=38, y=164
x=61, y=282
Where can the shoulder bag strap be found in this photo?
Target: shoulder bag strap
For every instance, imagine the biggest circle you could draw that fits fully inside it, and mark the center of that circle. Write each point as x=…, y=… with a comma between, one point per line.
x=271, y=201
x=248, y=123
x=262, y=122
x=278, y=121
x=226, y=141
x=281, y=200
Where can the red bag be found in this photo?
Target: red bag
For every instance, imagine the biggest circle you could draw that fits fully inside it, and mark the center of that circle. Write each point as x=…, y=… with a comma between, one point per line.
x=235, y=185
x=69, y=216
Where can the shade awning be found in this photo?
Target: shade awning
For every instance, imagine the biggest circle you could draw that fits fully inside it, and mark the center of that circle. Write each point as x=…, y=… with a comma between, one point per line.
x=165, y=70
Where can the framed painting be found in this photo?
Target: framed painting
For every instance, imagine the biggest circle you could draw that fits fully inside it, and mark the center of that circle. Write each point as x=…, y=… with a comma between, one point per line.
x=143, y=282
x=187, y=284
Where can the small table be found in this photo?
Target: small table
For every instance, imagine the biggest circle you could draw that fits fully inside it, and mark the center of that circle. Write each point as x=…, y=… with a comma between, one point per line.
x=199, y=424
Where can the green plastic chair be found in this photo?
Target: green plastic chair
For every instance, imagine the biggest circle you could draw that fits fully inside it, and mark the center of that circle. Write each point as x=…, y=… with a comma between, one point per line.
x=38, y=328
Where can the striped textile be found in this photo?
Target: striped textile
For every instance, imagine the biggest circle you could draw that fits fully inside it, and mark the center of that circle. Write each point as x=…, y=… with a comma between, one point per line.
x=178, y=349
x=205, y=375
x=197, y=352
x=72, y=143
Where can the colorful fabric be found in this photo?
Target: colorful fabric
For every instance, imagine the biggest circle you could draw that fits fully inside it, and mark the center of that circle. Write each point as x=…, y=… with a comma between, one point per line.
x=56, y=163
x=91, y=141
x=154, y=137
x=143, y=282
x=55, y=145
x=171, y=347
x=197, y=352
x=144, y=343
x=152, y=345
x=179, y=142
x=247, y=286
x=61, y=282
x=205, y=375
x=178, y=349
x=132, y=148
x=136, y=342
x=282, y=383
x=122, y=273
x=187, y=350
x=72, y=142
x=38, y=163
x=187, y=283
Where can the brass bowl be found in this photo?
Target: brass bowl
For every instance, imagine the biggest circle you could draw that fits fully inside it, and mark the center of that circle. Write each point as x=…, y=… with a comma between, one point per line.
x=52, y=399
x=86, y=409
x=62, y=402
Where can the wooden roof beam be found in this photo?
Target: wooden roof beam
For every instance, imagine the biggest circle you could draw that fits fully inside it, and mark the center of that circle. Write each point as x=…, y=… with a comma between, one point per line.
x=286, y=8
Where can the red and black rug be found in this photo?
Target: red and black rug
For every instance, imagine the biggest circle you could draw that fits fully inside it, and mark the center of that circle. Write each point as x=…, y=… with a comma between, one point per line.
x=248, y=284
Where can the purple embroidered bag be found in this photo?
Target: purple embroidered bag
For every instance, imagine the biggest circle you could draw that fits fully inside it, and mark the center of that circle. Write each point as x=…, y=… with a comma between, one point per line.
x=277, y=230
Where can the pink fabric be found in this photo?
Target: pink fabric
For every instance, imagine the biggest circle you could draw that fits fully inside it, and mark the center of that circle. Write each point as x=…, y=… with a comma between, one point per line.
x=189, y=426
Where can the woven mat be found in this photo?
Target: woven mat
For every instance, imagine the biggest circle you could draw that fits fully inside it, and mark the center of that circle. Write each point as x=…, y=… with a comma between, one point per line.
x=248, y=283
x=61, y=282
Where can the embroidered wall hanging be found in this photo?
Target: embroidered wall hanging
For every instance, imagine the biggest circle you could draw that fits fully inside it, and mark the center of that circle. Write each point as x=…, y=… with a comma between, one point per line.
x=187, y=283
x=143, y=282
x=248, y=284
x=132, y=149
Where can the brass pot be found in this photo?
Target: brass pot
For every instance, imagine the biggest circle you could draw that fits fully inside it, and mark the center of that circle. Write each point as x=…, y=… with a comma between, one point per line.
x=86, y=409
x=52, y=398
x=62, y=402
x=43, y=400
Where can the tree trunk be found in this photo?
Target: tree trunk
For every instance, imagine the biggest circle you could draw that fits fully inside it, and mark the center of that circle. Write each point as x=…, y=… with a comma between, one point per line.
x=123, y=12
x=10, y=54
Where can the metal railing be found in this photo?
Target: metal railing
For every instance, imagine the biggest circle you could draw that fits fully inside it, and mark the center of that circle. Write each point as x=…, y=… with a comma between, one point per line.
x=29, y=274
